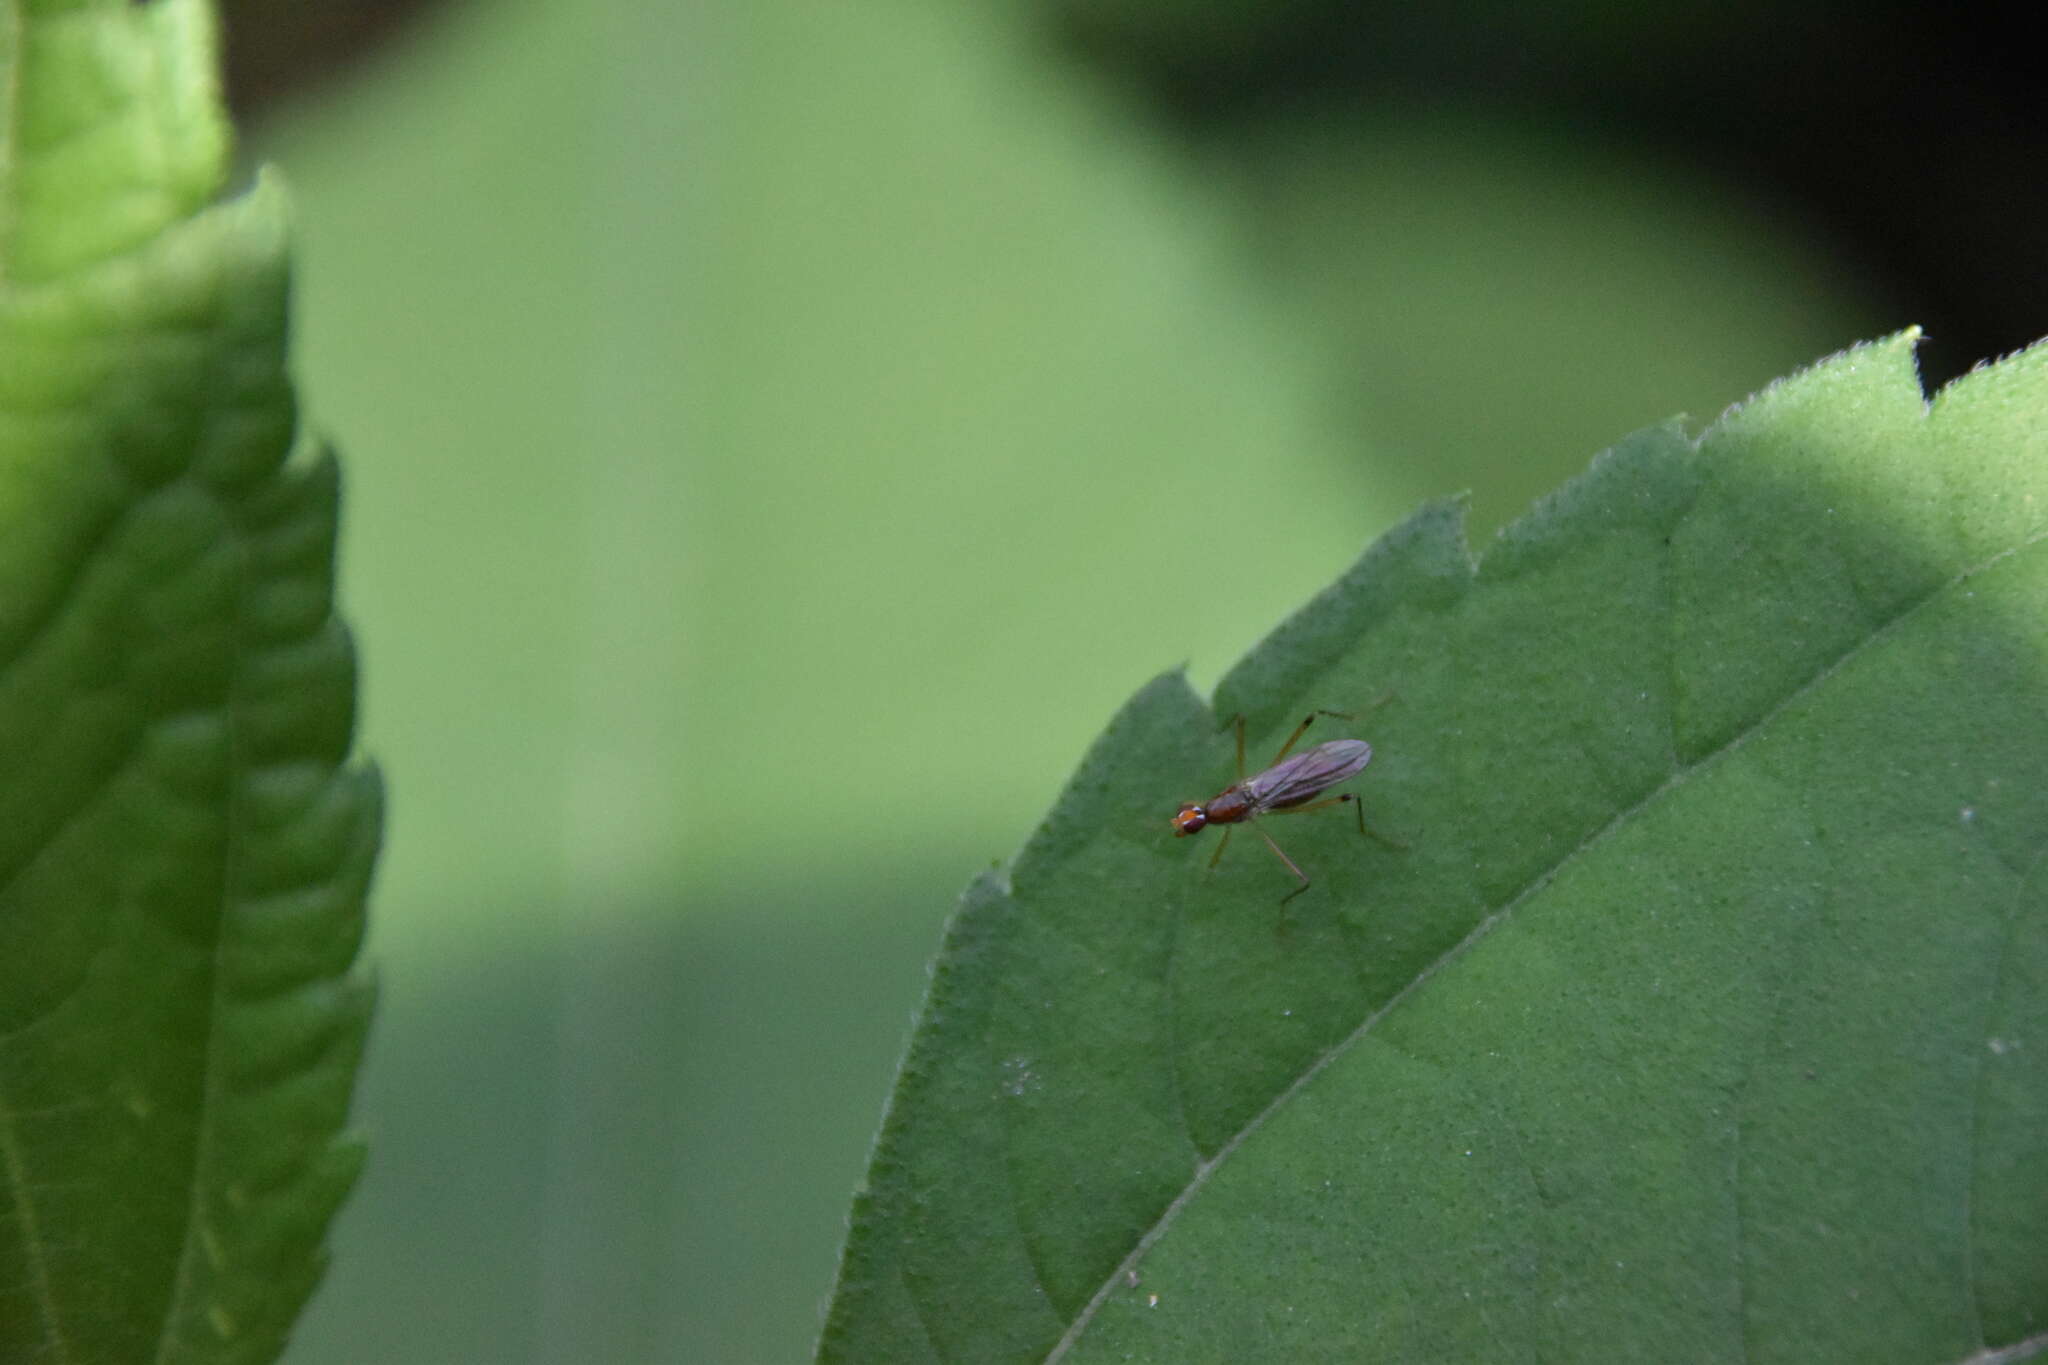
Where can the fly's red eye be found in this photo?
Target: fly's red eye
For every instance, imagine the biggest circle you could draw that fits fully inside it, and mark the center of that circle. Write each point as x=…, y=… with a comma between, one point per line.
x=1189, y=820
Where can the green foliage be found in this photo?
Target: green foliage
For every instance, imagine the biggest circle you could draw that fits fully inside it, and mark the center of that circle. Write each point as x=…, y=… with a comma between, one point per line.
x=1704, y=1016
x=183, y=857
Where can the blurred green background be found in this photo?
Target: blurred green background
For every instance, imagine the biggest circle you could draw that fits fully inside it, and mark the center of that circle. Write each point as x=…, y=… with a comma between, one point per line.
x=779, y=434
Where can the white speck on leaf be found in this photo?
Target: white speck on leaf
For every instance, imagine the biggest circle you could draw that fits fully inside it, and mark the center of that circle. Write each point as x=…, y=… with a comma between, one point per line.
x=1020, y=1080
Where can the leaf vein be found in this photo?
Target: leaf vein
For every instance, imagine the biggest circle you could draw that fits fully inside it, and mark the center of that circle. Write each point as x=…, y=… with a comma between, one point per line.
x=232, y=822
x=31, y=1235
x=1977, y=1083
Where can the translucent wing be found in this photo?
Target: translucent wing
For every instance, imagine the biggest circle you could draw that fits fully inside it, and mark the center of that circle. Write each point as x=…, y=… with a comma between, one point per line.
x=1308, y=774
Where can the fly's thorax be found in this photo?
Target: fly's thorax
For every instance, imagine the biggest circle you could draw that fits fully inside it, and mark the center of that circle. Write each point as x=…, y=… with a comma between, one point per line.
x=1231, y=806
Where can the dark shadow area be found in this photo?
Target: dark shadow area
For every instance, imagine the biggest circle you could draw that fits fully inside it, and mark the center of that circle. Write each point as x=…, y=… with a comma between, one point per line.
x=278, y=49
x=1908, y=134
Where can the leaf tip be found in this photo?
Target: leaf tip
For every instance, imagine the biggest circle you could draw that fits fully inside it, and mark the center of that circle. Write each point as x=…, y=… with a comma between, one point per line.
x=1881, y=360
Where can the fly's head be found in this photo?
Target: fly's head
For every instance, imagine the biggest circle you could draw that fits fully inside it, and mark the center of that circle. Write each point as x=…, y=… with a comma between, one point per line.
x=1190, y=820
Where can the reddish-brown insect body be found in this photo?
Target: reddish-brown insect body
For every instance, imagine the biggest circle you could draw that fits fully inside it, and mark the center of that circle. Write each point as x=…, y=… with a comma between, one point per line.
x=1228, y=807
x=1287, y=784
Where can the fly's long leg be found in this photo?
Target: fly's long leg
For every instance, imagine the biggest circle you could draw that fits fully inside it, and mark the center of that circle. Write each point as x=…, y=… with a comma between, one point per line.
x=1302, y=729
x=1290, y=867
x=1357, y=805
x=1319, y=805
x=1221, y=844
x=1369, y=832
x=1240, y=746
x=1281, y=927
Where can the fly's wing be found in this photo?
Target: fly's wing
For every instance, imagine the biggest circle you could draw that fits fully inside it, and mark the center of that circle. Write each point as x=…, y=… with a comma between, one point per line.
x=1307, y=775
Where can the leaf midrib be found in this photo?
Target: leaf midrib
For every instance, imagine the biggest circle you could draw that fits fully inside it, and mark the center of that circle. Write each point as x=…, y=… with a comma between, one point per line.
x=1494, y=919
x=232, y=822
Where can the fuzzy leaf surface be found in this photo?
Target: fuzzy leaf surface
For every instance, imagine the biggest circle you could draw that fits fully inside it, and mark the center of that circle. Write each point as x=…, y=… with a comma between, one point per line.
x=1703, y=1016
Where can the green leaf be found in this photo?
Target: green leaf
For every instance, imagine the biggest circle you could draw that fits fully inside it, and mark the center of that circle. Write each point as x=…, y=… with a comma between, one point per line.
x=183, y=854
x=1704, y=1016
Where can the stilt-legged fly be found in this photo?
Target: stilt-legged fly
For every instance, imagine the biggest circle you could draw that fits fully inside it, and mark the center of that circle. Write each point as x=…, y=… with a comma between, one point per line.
x=1287, y=785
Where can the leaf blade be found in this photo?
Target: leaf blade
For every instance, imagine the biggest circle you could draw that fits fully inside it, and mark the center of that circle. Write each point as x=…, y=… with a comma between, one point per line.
x=186, y=852
x=1558, y=709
